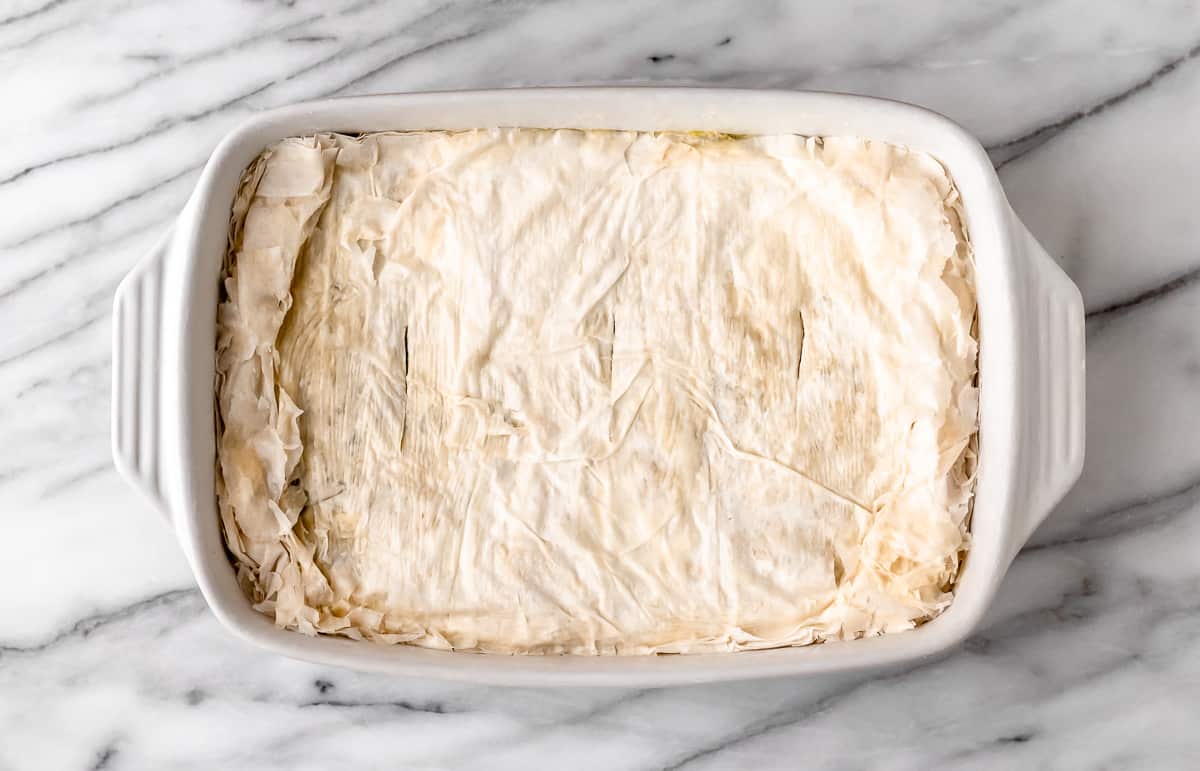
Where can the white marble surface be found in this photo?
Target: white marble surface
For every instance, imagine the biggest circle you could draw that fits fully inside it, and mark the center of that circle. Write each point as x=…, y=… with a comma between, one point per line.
x=1090, y=657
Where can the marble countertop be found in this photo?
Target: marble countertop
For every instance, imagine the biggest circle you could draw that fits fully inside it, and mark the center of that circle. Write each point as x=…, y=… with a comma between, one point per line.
x=1090, y=658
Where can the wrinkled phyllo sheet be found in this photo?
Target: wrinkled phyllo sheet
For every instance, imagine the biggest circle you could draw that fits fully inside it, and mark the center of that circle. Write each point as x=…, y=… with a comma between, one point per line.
x=596, y=392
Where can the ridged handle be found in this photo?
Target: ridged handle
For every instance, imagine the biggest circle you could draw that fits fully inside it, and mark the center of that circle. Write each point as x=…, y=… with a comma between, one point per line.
x=1053, y=327
x=136, y=397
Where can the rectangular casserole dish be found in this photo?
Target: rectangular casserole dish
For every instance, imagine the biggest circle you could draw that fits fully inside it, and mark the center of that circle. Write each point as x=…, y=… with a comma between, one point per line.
x=1031, y=364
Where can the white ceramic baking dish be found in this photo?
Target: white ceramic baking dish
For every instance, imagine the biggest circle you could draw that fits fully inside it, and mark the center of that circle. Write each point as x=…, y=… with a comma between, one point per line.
x=1031, y=364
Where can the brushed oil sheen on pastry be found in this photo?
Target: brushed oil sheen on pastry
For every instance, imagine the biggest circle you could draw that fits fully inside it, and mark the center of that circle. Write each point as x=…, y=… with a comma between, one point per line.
x=594, y=392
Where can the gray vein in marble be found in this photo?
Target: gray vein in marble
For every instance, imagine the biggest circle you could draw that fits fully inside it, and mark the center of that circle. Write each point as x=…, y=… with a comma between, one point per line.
x=434, y=46
x=147, y=56
x=1020, y=737
x=86, y=368
x=913, y=56
x=1076, y=608
x=87, y=626
x=445, y=12
x=431, y=708
x=600, y=712
x=155, y=130
x=26, y=281
x=776, y=721
x=249, y=40
x=203, y=56
x=104, y=756
x=358, y=6
x=70, y=24
x=93, y=216
x=12, y=472
x=37, y=37
x=1153, y=294
x=312, y=39
x=1131, y=518
x=69, y=332
x=64, y=484
x=1015, y=149
x=33, y=13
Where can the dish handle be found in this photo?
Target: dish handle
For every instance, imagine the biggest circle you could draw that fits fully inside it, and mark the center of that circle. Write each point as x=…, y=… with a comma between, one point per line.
x=1053, y=326
x=137, y=358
